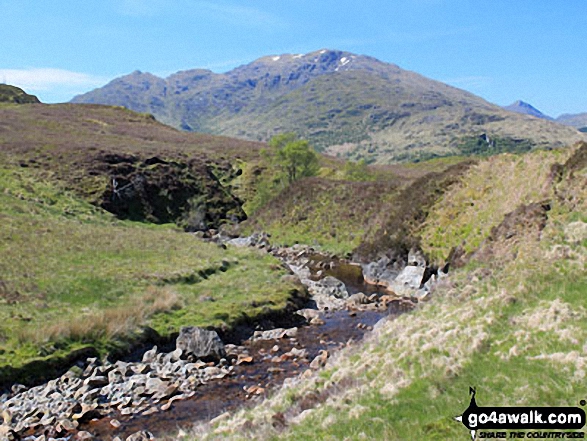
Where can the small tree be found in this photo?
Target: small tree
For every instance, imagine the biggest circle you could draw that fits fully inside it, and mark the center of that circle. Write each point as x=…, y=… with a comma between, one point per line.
x=356, y=171
x=295, y=156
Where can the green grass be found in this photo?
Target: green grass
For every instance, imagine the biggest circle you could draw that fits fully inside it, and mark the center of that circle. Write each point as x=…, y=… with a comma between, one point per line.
x=327, y=213
x=425, y=409
x=72, y=275
x=513, y=327
x=486, y=193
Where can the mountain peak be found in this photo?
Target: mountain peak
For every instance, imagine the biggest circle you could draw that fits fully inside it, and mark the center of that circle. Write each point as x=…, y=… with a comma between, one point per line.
x=526, y=109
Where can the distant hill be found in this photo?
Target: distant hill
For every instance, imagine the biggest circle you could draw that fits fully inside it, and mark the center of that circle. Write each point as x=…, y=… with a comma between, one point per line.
x=346, y=104
x=12, y=94
x=578, y=120
x=526, y=109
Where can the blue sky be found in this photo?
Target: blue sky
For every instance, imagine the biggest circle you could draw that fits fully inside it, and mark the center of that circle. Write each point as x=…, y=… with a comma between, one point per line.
x=502, y=50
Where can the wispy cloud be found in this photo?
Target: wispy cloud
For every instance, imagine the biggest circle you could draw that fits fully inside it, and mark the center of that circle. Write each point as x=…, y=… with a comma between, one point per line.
x=234, y=13
x=469, y=82
x=239, y=14
x=42, y=79
x=141, y=8
x=431, y=35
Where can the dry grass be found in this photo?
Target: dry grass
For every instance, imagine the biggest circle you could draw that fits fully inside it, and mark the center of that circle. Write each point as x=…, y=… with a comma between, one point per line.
x=504, y=329
x=107, y=323
x=490, y=190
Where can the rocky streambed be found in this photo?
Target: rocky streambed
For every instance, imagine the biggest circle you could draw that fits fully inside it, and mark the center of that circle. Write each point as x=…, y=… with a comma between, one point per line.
x=203, y=378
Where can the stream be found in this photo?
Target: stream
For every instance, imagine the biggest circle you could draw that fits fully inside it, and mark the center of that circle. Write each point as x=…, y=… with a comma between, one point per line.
x=270, y=363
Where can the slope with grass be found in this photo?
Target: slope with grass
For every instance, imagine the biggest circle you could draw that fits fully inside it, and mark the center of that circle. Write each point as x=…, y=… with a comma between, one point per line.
x=15, y=95
x=75, y=280
x=343, y=103
x=363, y=216
x=511, y=322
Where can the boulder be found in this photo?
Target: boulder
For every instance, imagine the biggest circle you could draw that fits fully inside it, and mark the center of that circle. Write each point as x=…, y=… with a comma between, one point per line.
x=150, y=355
x=381, y=272
x=200, y=343
x=328, y=286
x=356, y=300
x=308, y=313
x=408, y=280
x=275, y=334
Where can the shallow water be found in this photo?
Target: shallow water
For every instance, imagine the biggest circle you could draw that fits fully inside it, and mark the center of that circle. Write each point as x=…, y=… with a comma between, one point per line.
x=227, y=394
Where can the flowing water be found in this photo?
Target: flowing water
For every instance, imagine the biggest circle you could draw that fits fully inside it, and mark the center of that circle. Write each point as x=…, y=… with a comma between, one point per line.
x=265, y=372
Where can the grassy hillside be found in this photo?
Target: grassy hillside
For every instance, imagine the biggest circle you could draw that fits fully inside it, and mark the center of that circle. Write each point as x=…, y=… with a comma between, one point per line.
x=74, y=276
x=382, y=209
x=15, y=95
x=511, y=322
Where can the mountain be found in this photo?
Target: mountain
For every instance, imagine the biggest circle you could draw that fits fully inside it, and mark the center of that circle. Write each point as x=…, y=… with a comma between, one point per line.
x=15, y=95
x=346, y=104
x=578, y=120
x=526, y=109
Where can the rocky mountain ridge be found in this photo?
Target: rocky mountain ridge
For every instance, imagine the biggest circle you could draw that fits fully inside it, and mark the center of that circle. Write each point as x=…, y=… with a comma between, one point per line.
x=346, y=104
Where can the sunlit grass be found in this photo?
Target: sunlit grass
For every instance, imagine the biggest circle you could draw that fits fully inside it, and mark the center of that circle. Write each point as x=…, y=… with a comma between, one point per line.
x=72, y=275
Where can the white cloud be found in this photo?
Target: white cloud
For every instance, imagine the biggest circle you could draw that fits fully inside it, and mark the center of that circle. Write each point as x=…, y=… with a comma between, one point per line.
x=44, y=79
x=238, y=14
x=141, y=7
x=230, y=12
x=469, y=82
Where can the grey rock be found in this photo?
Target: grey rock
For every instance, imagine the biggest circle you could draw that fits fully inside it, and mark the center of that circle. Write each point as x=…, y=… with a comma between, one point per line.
x=200, y=343
x=275, y=334
x=327, y=302
x=155, y=386
x=416, y=258
x=381, y=272
x=96, y=381
x=142, y=368
x=328, y=286
x=143, y=435
x=408, y=281
x=149, y=356
x=299, y=353
x=308, y=313
x=357, y=299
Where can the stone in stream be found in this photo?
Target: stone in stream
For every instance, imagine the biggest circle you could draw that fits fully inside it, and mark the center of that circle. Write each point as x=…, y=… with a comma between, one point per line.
x=357, y=300
x=308, y=313
x=382, y=271
x=143, y=435
x=275, y=334
x=317, y=321
x=200, y=343
x=328, y=286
